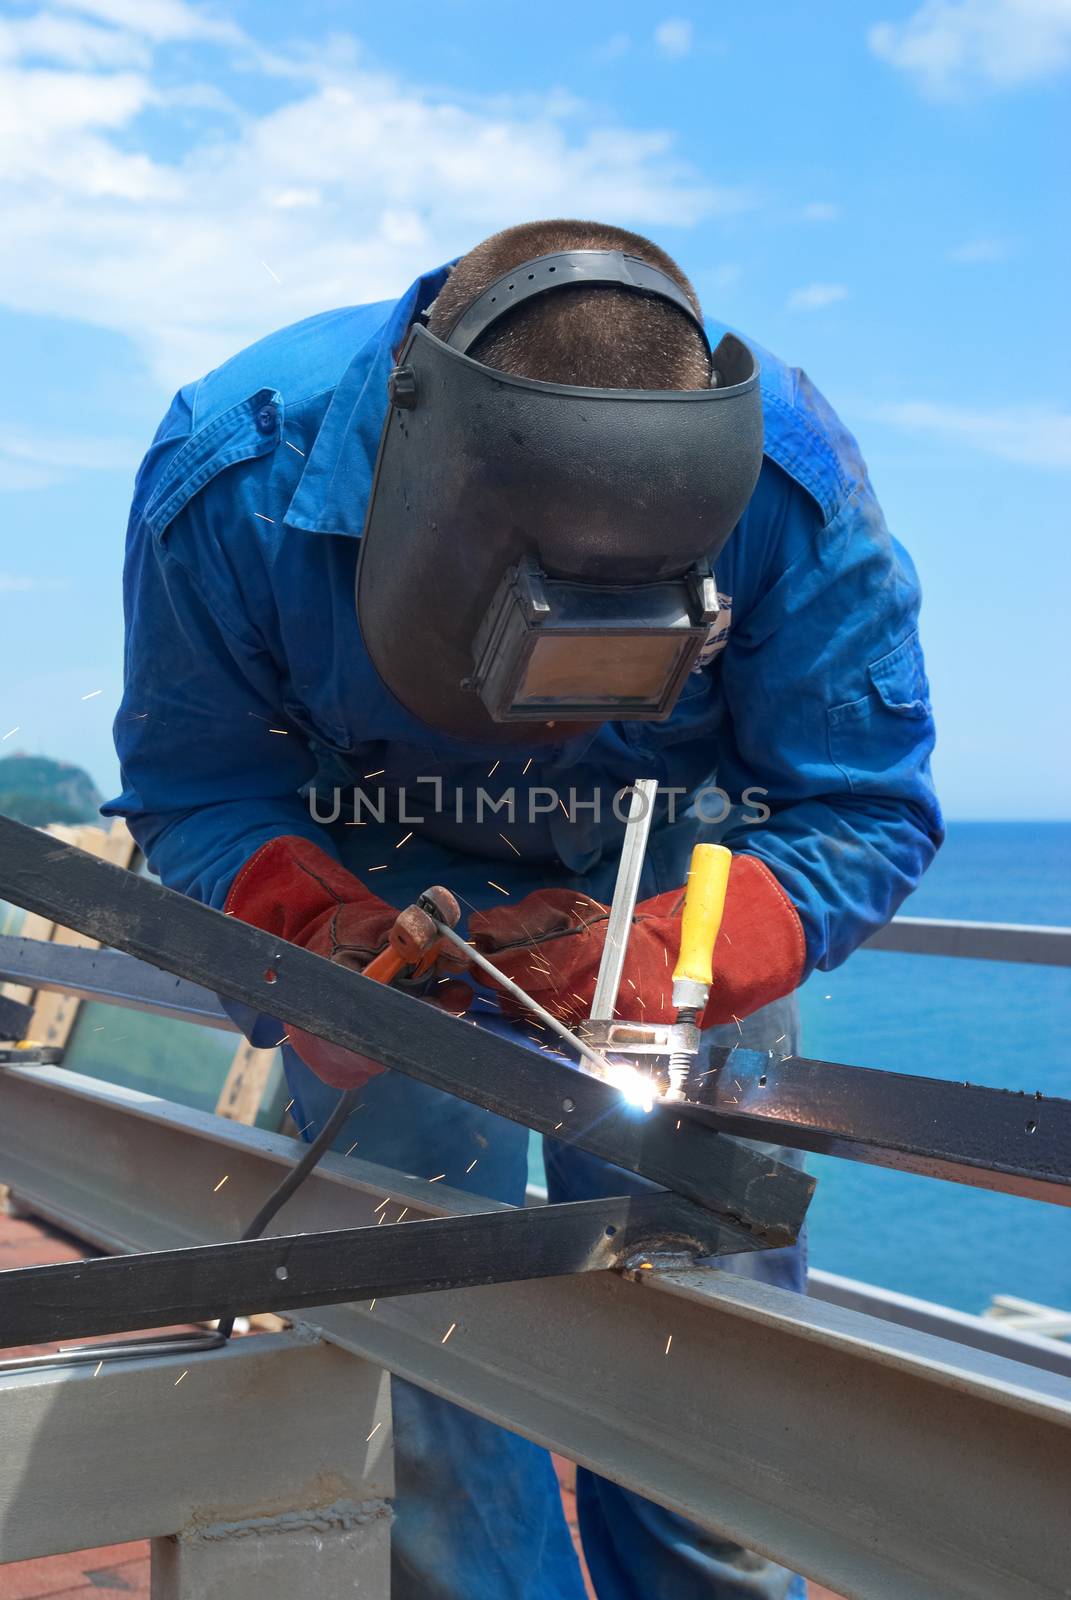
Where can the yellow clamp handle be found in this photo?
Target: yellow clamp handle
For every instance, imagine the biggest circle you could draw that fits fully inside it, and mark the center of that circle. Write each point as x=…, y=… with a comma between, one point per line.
x=704, y=902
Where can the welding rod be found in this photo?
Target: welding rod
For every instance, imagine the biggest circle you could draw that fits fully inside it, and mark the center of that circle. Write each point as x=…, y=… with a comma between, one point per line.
x=626, y=888
x=525, y=1000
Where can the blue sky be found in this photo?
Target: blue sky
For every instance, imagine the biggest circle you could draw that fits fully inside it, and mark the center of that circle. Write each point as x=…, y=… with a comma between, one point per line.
x=876, y=191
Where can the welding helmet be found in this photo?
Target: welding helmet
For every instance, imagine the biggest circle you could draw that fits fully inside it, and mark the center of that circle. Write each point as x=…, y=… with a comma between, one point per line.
x=536, y=557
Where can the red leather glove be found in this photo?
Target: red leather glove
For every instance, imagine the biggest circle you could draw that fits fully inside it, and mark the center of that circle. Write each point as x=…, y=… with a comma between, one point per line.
x=293, y=889
x=551, y=943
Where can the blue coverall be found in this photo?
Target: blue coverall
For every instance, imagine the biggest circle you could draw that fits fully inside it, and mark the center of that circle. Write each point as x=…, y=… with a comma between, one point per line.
x=247, y=683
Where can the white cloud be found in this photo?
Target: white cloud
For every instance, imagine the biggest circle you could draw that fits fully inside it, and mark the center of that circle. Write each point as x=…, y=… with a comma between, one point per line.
x=350, y=184
x=819, y=211
x=1027, y=435
x=674, y=38
x=48, y=37
x=976, y=252
x=950, y=47
x=816, y=296
x=164, y=21
x=18, y=583
x=32, y=460
x=616, y=46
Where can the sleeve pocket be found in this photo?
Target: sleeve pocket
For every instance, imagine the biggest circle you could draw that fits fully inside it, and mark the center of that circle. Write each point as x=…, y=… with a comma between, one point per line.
x=235, y=435
x=878, y=740
x=900, y=679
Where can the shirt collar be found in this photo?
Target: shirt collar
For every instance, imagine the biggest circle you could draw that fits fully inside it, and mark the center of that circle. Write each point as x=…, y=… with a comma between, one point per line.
x=332, y=492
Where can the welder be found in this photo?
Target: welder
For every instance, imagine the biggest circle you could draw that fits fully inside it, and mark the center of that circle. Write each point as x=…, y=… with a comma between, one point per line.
x=414, y=592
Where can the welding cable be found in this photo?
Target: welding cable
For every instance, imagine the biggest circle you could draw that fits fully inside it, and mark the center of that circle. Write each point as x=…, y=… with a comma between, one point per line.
x=344, y=1106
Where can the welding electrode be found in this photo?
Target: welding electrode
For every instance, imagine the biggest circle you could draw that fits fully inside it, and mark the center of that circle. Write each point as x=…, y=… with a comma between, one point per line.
x=704, y=903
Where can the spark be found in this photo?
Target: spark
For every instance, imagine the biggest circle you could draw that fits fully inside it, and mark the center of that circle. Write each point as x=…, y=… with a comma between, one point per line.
x=448, y=1332
x=179, y=1379
x=404, y=1212
x=378, y=1425
x=354, y=824
x=565, y=813
x=284, y=1040
x=372, y=1302
x=11, y=732
x=498, y=886
x=669, y=1341
x=632, y=1084
x=406, y=840
x=383, y=868
x=221, y=1182
x=678, y=1127
x=284, y=731
x=783, y=1037
x=527, y=764
x=351, y=1149
x=294, y=447
x=436, y=1179
x=92, y=695
x=377, y=774
x=262, y=517
x=557, y=1125
x=511, y=844
x=495, y=768
x=307, y=1126
x=739, y=1029
x=286, y=1108
x=382, y=1218
x=96, y=1373
x=270, y=273
x=471, y=1165
x=384, y=1202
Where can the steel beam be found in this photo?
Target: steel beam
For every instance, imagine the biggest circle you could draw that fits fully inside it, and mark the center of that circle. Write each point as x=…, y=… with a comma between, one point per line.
x=881, y=1461
x=1000, y=1139
x=107, y=976
x=137, y=1449
x=975, y=941
x=117, y=1294
x=532, y=1088
x=14, y=1017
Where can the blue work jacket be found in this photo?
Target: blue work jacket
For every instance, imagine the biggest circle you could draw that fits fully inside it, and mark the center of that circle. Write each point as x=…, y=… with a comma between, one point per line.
x=247, y=680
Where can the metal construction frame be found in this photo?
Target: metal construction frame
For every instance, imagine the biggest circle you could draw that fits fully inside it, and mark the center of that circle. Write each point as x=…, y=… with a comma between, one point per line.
x=932, y=1471
x=886, y=1449
x=539, y=1090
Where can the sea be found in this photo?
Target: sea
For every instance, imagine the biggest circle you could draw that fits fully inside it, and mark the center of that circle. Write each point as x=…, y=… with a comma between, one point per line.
x=1004, y=1025
x=995, y=1023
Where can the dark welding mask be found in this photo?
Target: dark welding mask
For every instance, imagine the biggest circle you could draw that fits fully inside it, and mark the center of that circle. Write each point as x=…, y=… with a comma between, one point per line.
x=537, y=556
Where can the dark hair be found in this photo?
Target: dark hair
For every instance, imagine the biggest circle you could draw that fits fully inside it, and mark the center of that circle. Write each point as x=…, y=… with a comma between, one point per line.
x=601, y=337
